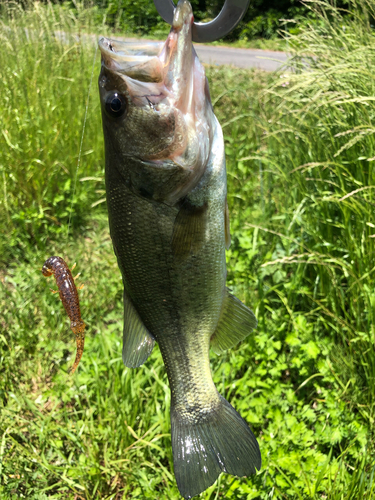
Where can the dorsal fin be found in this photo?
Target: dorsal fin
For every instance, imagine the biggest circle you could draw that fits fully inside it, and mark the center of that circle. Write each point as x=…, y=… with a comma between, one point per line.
x=137, y=340
x=236, y=322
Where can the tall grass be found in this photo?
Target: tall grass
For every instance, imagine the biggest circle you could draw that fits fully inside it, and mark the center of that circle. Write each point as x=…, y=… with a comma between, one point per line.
x=300, y=189
x=308, y=224
x=319, y=144
x=45, y=68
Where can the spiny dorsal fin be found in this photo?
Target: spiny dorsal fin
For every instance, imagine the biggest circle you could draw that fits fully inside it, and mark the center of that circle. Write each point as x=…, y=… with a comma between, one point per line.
x=235, y=323
x=189, y=230
x=227, y=225
x=137, y=340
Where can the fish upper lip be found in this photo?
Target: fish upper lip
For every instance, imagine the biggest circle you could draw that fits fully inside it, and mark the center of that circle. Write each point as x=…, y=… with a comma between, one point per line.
x=131, y=50
x=124, y=56
x=121, y=56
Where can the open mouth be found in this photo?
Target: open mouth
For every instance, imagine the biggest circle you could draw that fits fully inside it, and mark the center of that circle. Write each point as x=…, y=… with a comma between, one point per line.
x=163, y=89
x=136, y=60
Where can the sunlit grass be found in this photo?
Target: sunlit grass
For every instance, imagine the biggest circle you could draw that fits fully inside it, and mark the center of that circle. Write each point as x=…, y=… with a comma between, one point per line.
x=45, y=79
x=318, y=146
x=300, y=187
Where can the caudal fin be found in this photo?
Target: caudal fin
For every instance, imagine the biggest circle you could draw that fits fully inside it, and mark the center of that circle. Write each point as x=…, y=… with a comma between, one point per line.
x=220, y=441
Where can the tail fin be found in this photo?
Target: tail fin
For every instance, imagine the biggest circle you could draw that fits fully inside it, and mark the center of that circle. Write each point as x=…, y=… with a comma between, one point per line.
x=220, y=441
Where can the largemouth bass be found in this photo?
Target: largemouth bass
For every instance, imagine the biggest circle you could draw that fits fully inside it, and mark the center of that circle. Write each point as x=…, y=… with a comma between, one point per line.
x=169, y=223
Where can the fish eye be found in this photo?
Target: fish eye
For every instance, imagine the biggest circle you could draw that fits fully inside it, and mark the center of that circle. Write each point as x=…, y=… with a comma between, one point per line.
x=115, y=105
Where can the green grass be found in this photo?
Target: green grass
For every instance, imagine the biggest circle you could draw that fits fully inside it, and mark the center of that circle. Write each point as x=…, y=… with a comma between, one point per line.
x=44, y=88
x=300, y=150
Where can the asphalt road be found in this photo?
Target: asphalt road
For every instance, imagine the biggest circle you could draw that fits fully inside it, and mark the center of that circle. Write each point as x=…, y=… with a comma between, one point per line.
x=242, y=58
x=214, y=54
x=210, y=54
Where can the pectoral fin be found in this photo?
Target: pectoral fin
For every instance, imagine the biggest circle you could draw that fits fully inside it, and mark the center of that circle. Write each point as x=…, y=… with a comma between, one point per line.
x=235, y=323
x=137, y=340
x=189, y=230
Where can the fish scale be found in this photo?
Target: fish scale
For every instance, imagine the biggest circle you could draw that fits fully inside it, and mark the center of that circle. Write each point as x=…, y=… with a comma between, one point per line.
x=168, y=218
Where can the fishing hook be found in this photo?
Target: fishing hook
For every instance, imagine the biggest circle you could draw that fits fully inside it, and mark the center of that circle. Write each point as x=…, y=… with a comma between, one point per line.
x=228, y=18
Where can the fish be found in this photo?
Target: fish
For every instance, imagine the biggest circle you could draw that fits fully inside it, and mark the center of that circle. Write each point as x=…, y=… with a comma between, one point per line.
x=168, y=217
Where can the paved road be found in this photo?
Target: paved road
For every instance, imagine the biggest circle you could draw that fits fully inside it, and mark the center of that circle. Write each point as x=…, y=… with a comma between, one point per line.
x=242, y=58
x=210, y=54
x=213, y=54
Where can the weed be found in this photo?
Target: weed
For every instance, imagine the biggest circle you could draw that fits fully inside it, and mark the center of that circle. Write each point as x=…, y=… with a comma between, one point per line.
x=300, y=150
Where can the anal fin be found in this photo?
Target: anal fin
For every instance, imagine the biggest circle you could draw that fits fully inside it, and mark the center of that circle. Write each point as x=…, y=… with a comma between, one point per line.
x=236, y=322
x=137, y=340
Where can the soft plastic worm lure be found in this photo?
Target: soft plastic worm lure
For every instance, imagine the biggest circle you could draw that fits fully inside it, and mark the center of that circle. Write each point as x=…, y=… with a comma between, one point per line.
x=69, y=297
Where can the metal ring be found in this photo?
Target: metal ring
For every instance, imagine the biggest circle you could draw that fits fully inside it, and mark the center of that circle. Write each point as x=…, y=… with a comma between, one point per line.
x=228, y=18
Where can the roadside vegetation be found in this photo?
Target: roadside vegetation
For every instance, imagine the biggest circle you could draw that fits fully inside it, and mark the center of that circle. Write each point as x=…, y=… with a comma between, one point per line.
x=261, y=23
x=260, y=28
x=300, y=149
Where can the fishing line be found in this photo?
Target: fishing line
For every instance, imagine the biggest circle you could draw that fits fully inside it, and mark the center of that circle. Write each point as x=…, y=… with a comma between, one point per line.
x=80, y=146
x=65, y=282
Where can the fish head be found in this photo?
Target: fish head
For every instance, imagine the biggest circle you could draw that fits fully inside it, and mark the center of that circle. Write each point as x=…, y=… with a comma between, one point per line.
x=156, y=109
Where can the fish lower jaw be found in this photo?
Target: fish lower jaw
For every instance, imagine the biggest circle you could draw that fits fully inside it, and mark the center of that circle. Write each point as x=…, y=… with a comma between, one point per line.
x=183, y=15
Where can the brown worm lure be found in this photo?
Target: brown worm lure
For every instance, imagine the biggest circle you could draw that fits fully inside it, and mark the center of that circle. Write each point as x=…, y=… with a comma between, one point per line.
x=69, y=296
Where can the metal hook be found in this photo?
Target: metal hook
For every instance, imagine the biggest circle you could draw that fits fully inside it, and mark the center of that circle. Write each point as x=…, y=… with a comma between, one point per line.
x=228, y=18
